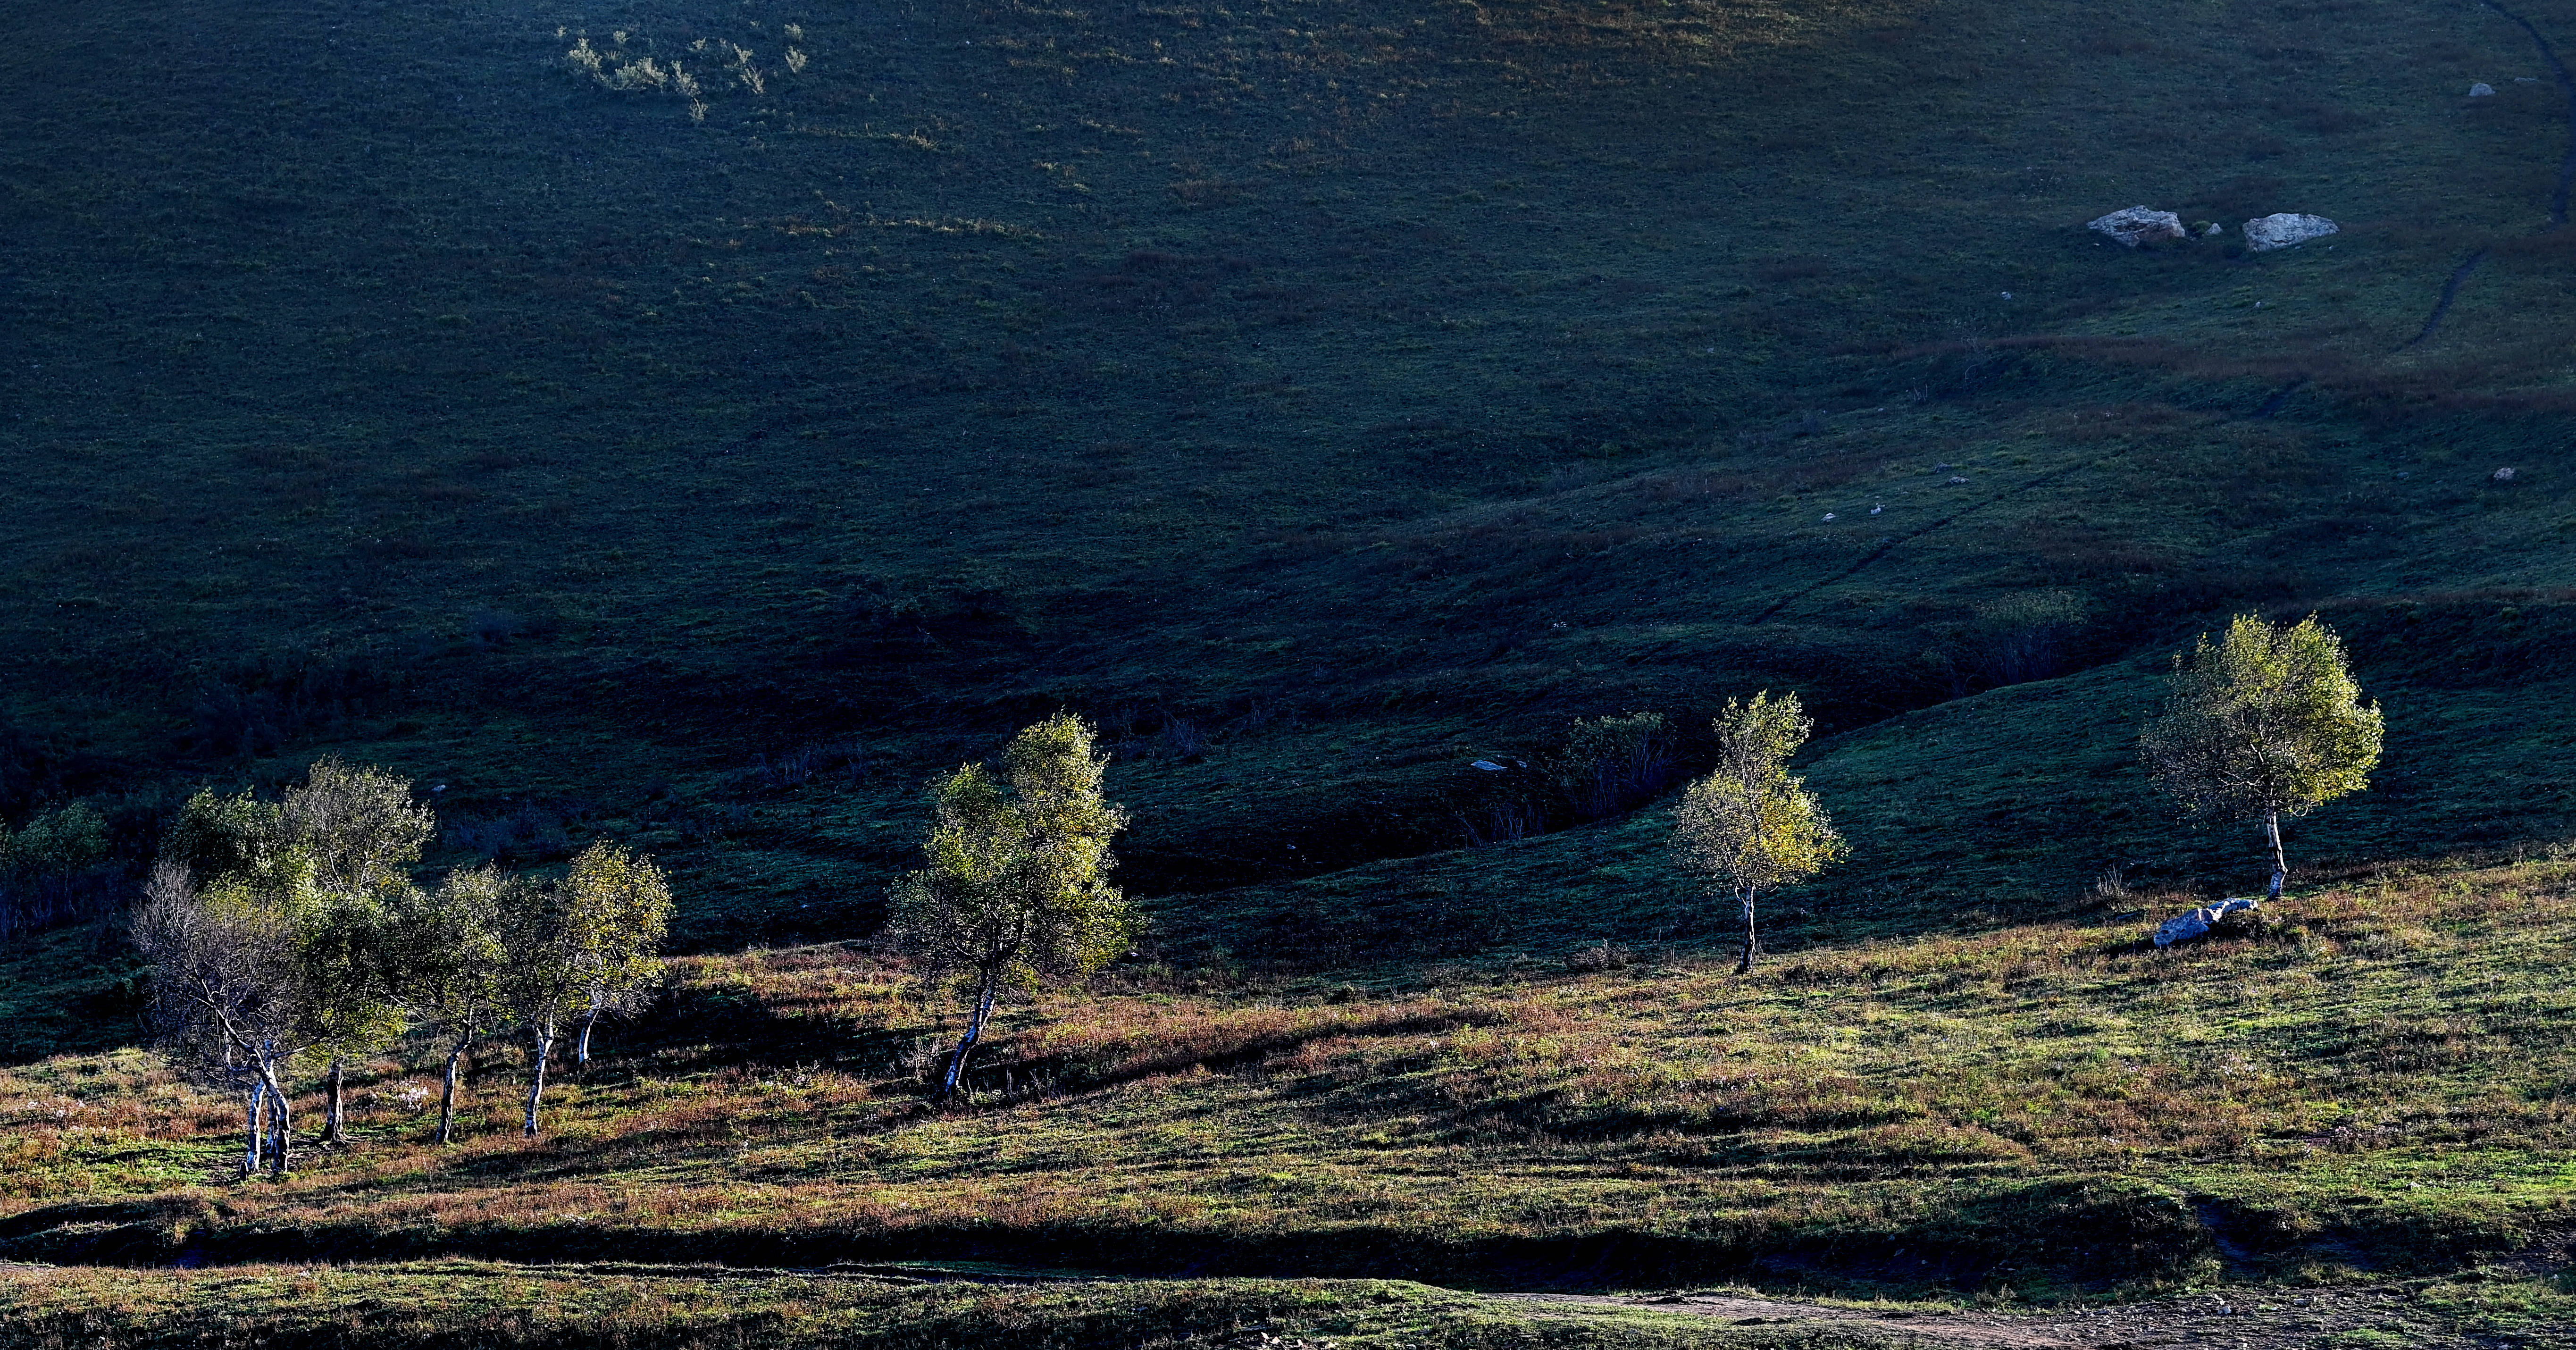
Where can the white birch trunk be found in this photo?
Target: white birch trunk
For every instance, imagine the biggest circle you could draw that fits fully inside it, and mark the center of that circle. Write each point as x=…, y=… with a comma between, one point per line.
x=1745, y=897
x=447, y=1090
x=966, y=1044
x=542, y=1041
x=251, y=1149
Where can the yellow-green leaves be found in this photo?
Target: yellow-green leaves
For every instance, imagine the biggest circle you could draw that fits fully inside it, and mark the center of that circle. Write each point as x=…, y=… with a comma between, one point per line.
x=62, y=840
x=1017, y=888
x=2267, y=722
x=358, y=823
x=1749, y=825
x=618, y=906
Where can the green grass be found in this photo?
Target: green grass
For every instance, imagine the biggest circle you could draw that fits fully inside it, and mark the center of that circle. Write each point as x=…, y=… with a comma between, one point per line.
x=465, y=1303
x=2045, y=1111
x=1294, y=371
x=1317, y=397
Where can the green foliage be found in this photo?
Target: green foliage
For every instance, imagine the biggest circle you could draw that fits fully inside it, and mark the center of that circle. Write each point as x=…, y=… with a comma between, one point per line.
x=2268, y=722
x=617, y=906
x=1608, y=763
x=1017, y=892
x=357, y=823
x=65, y=839
x=541, y=980
x=449, y=953
x=349, y=947
x=1749, y=825
x=220, y=836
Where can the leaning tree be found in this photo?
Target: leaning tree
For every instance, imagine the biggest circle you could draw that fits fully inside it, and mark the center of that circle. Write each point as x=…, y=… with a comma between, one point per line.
x=2265, y=723
x=1017, y=892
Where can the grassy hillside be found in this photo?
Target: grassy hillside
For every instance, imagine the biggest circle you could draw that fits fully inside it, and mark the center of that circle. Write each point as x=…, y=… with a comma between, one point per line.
x=1312, y=395
x=2372, y=1084
x=1318, y=398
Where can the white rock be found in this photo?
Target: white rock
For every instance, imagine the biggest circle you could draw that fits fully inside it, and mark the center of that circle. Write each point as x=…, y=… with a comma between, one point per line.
x=2504, y=475
x=2184, y=927
x=2181, y=928
x=2286, y=228
x=2482, y=91
x=2137, y=225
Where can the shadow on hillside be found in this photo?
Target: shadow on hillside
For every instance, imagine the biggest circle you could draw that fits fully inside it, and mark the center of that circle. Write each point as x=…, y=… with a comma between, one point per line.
x=2095, y=1234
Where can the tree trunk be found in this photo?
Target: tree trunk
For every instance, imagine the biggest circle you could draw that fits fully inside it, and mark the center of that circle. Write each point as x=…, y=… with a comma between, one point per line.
x=974, y=1032
x=334, y=1118
x=282, y=1127
x=251, y=1150
x=447, y=1090
x=2280, y=860
x=581, y=1049
x=541, y=1041
x=1751, y=944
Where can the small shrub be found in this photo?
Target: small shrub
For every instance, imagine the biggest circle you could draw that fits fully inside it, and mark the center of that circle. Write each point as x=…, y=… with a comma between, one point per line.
x=1610, y=764
x=1602, y=955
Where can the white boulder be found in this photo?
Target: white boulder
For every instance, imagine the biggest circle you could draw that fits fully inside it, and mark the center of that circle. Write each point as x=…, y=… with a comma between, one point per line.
x=2137, y=225
x=2482, y=91
x=2284, y=229
x=2184, y=927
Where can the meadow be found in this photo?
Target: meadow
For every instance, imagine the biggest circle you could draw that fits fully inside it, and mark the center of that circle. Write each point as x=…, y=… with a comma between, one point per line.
x=694, y=426
x=2371, y=1084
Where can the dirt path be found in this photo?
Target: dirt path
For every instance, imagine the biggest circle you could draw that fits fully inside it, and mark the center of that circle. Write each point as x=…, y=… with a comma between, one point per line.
x=2245, y=1319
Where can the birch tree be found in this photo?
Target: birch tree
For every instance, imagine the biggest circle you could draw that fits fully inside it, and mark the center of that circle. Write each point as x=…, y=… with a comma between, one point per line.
x=594, y=938
x=1749, y=825
x=347, y=946
x=345, y=836
x=619, y=907
x=2265, y=724
x=541, y=982
x=1017, y=889
x=358, y=824
x=450, y=966
x=231, y=993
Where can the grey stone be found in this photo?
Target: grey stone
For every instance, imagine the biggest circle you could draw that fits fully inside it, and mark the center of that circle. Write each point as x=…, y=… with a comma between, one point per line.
x=2285, y=229
x=2136, y=225
x=2482, y=91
